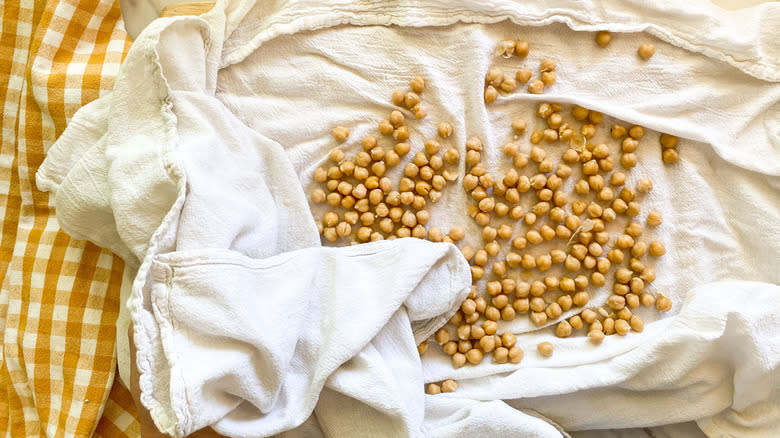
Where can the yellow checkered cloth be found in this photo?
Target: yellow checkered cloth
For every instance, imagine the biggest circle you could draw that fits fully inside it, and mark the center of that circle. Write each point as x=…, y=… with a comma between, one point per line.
x=60, y=297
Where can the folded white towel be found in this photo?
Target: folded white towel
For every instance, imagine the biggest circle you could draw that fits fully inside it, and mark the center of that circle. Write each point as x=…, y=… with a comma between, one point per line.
x=242, y=321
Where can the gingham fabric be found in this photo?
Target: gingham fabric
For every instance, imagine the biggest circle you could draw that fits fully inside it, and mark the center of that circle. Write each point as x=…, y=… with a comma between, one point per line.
x=60, y=297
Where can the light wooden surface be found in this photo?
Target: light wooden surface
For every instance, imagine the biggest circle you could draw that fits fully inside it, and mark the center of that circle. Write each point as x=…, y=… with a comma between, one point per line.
x=186, y=9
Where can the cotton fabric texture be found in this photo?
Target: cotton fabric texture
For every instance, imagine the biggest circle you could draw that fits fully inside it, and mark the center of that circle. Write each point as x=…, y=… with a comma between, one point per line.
x=195, y=171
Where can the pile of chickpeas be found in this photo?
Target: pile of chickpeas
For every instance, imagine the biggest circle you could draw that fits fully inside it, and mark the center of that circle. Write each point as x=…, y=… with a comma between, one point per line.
x=541, y=261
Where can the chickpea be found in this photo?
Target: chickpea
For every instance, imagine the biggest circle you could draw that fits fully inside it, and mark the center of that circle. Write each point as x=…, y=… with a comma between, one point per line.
x=618, y=131
x=548, y=78
x=656, y=249
x=491, y=94
x=536, y=87
x=594, y=210
x=490, y=326
x=646, y=51
x=433, y=389
x=644, y=185
x=521, y=48
x=628, y=160
x=603, y=38
x=474, y=356
x=457, y=234
x=581, y=298
x=596, y=337
x=663, y=304
x=500, y=355
x=654, y=219
x=590, y=167
x=508, y=84
x=622, y=327
x=340, y=133
x=563, y=329
x=629, y=145
x=668, y=141
x=449, y=385
x=608, y=326
x=588, y=130
x=494, y=76
x=646, y=299
x=386, y=127
x=572, y=264
x=545, y=349
x=670, y=156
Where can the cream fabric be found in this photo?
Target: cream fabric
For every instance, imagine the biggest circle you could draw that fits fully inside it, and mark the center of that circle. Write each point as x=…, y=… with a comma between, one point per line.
x=192, y=183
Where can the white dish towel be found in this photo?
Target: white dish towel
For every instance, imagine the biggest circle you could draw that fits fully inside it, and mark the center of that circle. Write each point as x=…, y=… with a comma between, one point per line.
x=195, y=170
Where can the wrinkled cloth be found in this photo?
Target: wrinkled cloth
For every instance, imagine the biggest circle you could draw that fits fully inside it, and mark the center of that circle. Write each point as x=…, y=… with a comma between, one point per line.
x=195, y=171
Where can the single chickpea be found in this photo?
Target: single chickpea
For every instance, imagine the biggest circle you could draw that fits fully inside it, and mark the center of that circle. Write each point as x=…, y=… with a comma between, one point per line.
x=500, y=355
x=449, y=385
x=547, y=65
x=490, y=326
x=668, y=141
x=590, y=167
x=670, y=156
x=588, y=130
x=596, y=337
x=528, y=262
x=458, y=360
x=600, y=150
x=508, y=84
x=523, y=76
x=433, y=389
x=624, y=241
x=636, y=265
x=343, y=229
x=521, y=305
x=491, y=94
x=340, y=133
x=515, y=354
x=644, y=185
x=563, y=329
x=581, y=298
x=617, y=179
x=629, y=145
x=636, y=132
x=663, y=304
x=445, y=130
x=646, y=299
x=632, y=300
x=550, y=136
x=411, y=99
x=545, y=349
x=521, y=48
x=318, y=196
x=619, y=205
x=654, y=219
x=656, y=249
x=646, y=51
x=608, y=326
x=628, y=160
x=494, y=76
x=536, y=87
x=618, y=131
x=589, y=316
x=474, y=356
x=648, y=275
x=493, y=248
x=398, y=97
x=548, y=78
x=622, y=327
x=581, y=282
x=572, y=264
x=603, y=38
x=594, y=210
x=457, y=234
